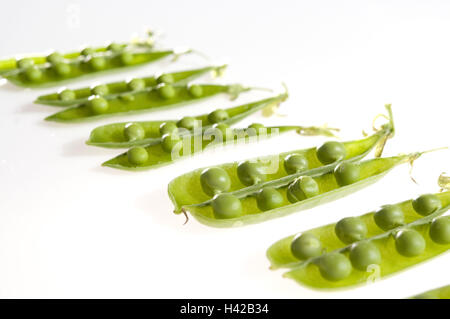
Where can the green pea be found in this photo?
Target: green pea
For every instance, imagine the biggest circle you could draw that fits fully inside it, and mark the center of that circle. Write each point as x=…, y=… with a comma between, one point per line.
x=165, y=78
x=33, y=73
x=218, y=116
x=364, y=254
x=223, y=129
x=226, y=206
x=196, y=90
x=87, y=51
x=98, y=105
x=97, y=63
x=306, y=246
x=115, y=47
x=350, y=229
x=302, y=188
x=409, y=243
x=250, y=173
x=440, y=230
x=25, y=63
x=67, y=95
x=134, y=132
x=215, y=180
x=126, y=58
x=101, y=89
x=136, y=84
x=331, y=152
x=188, y=122
x=269, y=198
x=389, y=217
x=168, y=128
x=137, y=155
x=295, y=163
x=426, y=204
x=257, y=127
x=62, y=68
x=54, y=58
x=167, y=91
x=334, y=266
x=127, y=97
x=170, y=141
x=347, y=173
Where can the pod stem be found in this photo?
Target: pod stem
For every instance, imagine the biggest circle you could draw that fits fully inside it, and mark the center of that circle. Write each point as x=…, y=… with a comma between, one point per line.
x=387, y=130
x=183, y=211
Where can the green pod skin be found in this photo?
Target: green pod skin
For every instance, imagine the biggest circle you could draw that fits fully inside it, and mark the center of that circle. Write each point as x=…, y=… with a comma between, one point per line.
x=111, y=135
x=113, y=89
x=88, y=66
x=371, y=171
x=143, y=101
x=438, y=293
x=161, y=152
x=382, y=253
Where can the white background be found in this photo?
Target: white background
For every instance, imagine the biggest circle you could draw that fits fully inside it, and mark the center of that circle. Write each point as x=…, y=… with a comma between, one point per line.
x=71, y=228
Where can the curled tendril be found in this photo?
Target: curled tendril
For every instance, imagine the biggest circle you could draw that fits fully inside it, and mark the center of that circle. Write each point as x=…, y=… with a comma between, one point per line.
x=183, y=211
x=444, y=182
x=415, y=156
x=387, y=126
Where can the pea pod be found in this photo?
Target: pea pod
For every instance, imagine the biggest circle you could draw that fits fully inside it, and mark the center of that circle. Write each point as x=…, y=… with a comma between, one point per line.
x=291, y=165
x=172, y=148
x=163, y=96
x=356, y=249
x=438, y=293
x=286, y=196
x=68, y=97
x=115, y=135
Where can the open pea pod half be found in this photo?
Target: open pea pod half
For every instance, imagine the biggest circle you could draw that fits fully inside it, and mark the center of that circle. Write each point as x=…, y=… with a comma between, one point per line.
x=67, y=97
x=285, y=196
x=438, y=293
x=127, y=134
x=62, y=70
x=173, y=147
x=358, y=250
x=163, y=96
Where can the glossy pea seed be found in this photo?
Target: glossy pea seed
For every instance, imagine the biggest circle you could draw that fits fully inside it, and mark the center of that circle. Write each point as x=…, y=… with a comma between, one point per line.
x=97, y=63
x=126, y=58
x=226, y=206
x=269, y=198
x=137, y=155
x=33, y=73
x=426, y=204
x=223, y=129
x=350, y=229
x=409, y=243
x=188, y=122
x=306, y=246
x=440, y=230
x=250, y=173
x=196, y=90
x=25, y=63
x=101, y=89
x=168, y=128
x=115, y=47
x=134, y=132
x=347, y=173
x=389, y=217
x=295, y=163
x=331, y=152
x=62, y=68
x=334, y=266
x=136, y=84
x=215, y=180
x=302, y=188
x=67, y=95
x=165, y=78
x=167, y=91
x=98, y=105
x=170, y=141
x=54, y=58
x=87, y=51
x=257, y=127
x=364, y=254
x=217, y=116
